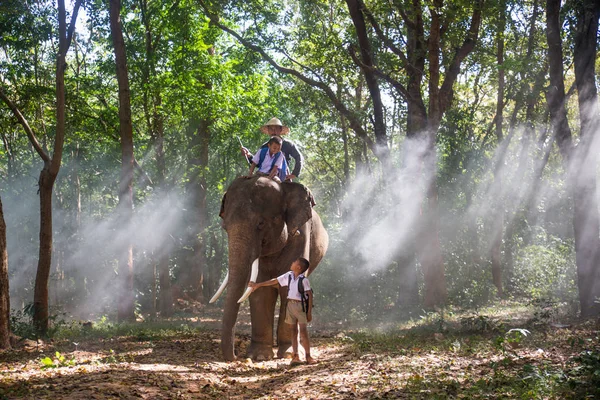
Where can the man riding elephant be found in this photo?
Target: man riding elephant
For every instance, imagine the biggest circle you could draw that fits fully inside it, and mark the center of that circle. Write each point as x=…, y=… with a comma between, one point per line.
x=274, y=127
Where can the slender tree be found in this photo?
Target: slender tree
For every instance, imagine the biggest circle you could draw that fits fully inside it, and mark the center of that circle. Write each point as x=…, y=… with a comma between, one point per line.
x=152, y=104
x=4, y=292
x=125, y=208
x=498, y=218
x=51, y=167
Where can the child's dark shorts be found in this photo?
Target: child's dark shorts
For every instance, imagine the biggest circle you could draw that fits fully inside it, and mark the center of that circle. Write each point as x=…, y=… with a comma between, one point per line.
x=294, y=313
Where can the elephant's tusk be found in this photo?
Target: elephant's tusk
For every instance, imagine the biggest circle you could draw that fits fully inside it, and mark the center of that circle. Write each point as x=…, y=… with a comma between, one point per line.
x=253, y=276
x=221, y=288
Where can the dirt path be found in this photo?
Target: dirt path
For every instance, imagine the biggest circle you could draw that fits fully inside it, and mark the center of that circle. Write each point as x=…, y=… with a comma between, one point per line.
x=185, y=363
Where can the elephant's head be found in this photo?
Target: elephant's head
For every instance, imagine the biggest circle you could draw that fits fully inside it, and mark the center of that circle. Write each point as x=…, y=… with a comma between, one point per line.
x=257, y=214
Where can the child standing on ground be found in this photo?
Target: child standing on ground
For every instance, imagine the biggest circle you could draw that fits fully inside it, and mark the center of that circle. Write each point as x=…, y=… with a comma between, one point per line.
x=270, y=162
x=297, y=314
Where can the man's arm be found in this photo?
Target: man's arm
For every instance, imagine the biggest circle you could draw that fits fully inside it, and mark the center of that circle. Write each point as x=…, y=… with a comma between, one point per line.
x=252, y=166
x=247, y=154
x=292, y=150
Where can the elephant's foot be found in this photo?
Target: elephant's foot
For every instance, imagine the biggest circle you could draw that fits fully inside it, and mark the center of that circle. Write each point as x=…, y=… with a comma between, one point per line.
x=284, y=350
x=228, y=353
x=260, y=351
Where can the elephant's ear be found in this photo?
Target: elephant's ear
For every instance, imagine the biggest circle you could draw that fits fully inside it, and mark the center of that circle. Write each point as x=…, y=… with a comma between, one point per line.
x=298, y=205
x=222, y=206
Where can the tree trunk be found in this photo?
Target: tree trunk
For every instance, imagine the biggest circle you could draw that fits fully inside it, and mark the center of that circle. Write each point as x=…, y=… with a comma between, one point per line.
x=40, y=294
x=192, y=276
x=586, y=220
x=4, y=292
x=582, y=163
x=155, y=123
x=498, y=216
x=366, y=64
x=125, y=309
x=164, y=276
x=430, y=252
x=50, y=171
x=203, y=217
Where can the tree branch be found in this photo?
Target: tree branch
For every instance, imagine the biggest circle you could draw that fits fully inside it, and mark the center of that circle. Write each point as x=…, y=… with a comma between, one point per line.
x=397, y=85
x=465, y=49
x=30, y=134
x=354, y=122
x=72, y=24
x=285, y=53
x=386, y=40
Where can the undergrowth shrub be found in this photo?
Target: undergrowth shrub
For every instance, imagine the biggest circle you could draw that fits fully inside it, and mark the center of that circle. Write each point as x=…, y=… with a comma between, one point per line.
x=546, y=270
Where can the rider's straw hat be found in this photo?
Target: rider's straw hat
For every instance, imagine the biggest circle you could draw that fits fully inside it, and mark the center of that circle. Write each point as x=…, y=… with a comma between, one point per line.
x=275, y=122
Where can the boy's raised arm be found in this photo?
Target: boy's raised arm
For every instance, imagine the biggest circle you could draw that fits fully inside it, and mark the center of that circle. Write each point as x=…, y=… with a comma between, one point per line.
x=270, y=282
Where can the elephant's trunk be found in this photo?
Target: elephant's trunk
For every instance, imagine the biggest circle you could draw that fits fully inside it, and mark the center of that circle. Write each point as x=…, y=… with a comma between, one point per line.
x=241, y=255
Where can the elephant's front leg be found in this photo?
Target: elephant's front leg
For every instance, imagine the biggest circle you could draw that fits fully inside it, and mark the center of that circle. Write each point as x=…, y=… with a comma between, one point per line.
x=262, y=310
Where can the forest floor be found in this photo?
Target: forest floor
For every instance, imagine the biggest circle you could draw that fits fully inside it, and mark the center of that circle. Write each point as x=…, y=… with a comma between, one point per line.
x=504, y=352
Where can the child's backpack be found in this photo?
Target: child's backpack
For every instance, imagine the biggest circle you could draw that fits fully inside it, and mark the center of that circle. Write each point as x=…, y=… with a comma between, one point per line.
x=282, y=171
x=303, y=296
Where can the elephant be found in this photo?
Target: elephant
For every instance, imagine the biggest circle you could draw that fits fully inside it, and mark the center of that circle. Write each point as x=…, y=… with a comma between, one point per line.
x=269, y=225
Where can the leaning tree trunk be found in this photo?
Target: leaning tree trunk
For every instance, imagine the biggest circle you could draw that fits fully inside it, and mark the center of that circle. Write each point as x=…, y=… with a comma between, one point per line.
x=125, y=307
x=4, y=292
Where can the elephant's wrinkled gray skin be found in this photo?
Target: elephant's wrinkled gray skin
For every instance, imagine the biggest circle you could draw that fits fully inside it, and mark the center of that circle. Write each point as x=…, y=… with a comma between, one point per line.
x=259, y=215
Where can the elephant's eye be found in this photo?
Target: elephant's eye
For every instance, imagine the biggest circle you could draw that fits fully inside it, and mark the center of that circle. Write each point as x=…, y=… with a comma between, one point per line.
x=260, y=225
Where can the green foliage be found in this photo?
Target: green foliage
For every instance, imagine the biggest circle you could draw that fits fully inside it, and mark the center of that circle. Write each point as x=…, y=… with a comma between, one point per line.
x=546, y=269
x=480, y=323
x=58, y=361
x=511, y=340
x=202, y=85
x=587, y=373
x=21, y=322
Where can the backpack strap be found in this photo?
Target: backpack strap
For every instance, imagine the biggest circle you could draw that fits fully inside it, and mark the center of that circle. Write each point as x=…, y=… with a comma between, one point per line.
x=261, y=158
x=302, y=296
x=277, y=155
